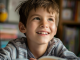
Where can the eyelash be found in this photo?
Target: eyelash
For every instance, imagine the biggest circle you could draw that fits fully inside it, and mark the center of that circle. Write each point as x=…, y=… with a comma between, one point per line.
x=36, y=18
x=50, y=19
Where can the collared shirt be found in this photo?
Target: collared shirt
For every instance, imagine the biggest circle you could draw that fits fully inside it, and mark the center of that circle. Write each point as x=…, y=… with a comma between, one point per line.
x=18, y=48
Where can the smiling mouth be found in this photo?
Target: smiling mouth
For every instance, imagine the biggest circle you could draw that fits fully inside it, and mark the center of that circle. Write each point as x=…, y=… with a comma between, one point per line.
x=44, y=33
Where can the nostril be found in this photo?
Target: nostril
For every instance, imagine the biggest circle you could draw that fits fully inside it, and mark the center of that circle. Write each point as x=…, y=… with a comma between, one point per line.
x=44, y=26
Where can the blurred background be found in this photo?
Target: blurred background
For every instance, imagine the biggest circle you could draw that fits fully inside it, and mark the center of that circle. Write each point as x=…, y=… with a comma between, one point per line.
x=68, y=29
x=9, y=20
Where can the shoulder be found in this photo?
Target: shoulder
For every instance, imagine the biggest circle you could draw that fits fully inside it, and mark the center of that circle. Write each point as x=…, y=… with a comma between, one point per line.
x=15, y=48
x=19, y=42
x=56, y=41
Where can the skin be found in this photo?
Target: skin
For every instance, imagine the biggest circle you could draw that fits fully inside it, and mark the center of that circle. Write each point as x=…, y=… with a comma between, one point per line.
x=39, y=21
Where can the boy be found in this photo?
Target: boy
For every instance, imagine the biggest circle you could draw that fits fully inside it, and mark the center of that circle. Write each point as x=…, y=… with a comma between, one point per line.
x=38, y=21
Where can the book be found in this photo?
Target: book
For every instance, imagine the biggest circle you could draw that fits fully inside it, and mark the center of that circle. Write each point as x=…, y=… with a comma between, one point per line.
x=78, y=18
x=51, y=58
x=77, y=40
x=67, y=14
x=68, y=9
x=77, y=14
x=78, y=54
x=69, y=38
x=45, y=58
x=8, y=31
x=3, y=44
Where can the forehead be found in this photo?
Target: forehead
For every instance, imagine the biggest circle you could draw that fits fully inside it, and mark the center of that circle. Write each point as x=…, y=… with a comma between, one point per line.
x=41, y=11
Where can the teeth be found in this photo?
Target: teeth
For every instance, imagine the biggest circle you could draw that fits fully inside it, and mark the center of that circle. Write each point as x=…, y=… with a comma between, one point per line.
x=42, y=32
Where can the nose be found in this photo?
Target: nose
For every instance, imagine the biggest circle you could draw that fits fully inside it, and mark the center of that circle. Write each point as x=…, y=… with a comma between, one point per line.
x=44, y=24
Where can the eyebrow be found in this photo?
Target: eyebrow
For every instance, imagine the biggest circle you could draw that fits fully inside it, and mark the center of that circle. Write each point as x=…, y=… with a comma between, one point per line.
x=34, y=15
x=51, y=16
x=39, y=15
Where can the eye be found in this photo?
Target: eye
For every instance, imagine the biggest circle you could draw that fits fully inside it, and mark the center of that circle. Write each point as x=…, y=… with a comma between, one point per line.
x=50, y=19
x=36, y=18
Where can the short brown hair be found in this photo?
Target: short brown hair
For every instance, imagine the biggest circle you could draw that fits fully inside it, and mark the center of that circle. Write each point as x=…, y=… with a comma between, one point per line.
x=26, y=6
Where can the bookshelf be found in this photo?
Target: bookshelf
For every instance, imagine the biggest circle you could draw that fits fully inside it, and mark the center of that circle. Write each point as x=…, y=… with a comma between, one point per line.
x=9, y=27
x=71, y=22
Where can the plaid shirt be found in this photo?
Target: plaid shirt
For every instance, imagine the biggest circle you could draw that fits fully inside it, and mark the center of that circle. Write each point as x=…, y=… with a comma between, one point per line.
x=18, y=49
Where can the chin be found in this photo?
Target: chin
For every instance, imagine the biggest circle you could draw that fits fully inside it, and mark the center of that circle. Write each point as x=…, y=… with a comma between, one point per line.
x=43, y=42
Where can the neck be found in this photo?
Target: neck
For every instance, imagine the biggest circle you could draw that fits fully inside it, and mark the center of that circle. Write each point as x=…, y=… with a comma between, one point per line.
x=37, y=49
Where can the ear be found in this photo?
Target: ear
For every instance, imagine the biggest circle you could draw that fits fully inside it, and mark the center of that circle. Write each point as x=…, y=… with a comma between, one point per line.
x=22, y=28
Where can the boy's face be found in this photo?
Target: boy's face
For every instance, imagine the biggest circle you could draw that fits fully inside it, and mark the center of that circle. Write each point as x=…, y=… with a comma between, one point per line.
x=40, y=26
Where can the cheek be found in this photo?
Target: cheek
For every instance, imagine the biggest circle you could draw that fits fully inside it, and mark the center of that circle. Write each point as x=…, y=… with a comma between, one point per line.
x=53, y=28
x=31, y=27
